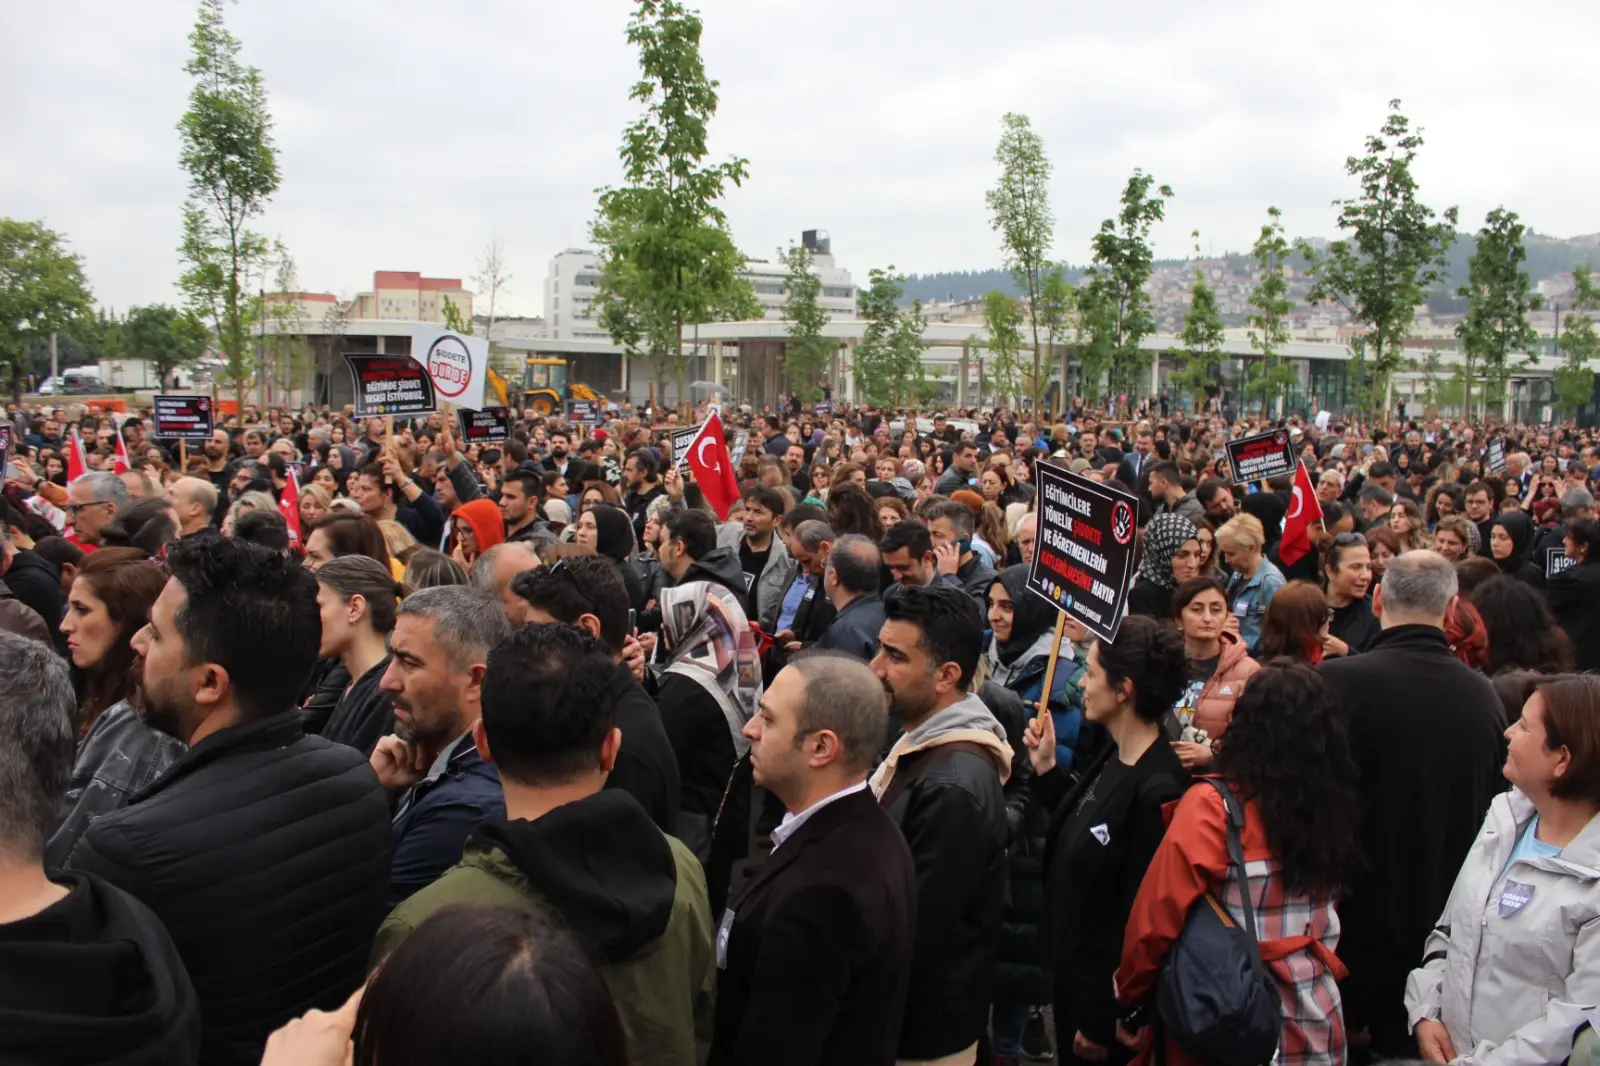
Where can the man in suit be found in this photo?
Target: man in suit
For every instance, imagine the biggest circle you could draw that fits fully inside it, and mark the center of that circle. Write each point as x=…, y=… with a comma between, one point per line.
x=815, y=950
x=1133, y=464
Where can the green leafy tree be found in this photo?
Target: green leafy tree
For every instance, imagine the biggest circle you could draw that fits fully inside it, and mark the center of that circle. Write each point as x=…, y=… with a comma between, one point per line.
x=888, y=358
x=1002, y=316
x=453, y=318
x=1579, y=344
x=1201, y=335
x=1056, y=306
x=227, y=151
x=906, y=349
x=808, y=351
x=1116, y=307
x=288, y=351
x=1019, y=208
x=42, y=290
x=1396, y=252
x=168, y=339
x=668, y=257
x=1270, y=305
x=1499, y=298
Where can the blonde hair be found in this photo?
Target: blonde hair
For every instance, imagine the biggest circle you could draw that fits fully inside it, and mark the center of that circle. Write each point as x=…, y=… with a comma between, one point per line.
x=1244, y=530
x=397, y=538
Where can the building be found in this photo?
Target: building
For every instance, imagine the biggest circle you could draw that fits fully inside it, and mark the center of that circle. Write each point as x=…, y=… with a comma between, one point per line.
x=405, y=295
x=573, y=283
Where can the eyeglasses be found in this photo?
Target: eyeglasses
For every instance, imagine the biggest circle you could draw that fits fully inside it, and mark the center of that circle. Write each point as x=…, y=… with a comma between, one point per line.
x=1345, y=540
x=74, y=508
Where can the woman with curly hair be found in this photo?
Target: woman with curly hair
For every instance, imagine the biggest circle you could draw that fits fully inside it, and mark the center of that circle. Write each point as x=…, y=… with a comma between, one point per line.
x=1405, y=521
x=1523, y=633
x=1287, y=762
x=851, y=510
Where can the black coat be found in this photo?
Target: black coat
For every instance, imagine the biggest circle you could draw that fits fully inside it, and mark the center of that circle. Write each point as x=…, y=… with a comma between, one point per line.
x=646, y=767
x=265, y=853
x=364, y=715
x=1426, y=734
x=953, y=816
x=35, y=581
x=715, y=794
x=855, y=629
x=818, y=955
x=1574, y=596
x=1090, y=882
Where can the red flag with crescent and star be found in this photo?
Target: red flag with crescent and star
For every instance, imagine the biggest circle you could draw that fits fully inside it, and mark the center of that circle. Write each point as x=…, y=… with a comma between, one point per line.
x=711, y=466
x=1304, y=509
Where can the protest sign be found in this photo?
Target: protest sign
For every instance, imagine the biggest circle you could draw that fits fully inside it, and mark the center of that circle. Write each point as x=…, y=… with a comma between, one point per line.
x=582, y=412
x=1496, y=458
x=492, y=425
x=1556, y=560
x=181, y=417
x=1264, y=455
x=5, y=449
x=741, y=441
x=681, y=439
x=823, y=407
x=389, y=385
x=458, y=365
x=1083, y=562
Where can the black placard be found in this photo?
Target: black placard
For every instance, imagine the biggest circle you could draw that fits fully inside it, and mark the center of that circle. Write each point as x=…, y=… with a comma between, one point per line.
x=1262, y=456
x=823, y=407
x=1083, y=560
x=1556, y=560
x=1496, y=457
x=181, y=417
x=390, y=385
x=581, y=412
x=681, y=439
x=492, y=425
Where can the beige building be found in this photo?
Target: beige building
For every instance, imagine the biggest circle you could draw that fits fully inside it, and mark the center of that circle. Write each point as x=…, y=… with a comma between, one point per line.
x=407, y=296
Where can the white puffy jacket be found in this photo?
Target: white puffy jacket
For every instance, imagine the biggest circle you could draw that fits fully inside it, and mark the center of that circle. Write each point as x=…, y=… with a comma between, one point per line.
x=1513, y=968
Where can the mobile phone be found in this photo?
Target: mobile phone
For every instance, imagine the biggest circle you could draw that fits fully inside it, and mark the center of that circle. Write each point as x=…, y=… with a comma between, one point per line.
x=633, y=620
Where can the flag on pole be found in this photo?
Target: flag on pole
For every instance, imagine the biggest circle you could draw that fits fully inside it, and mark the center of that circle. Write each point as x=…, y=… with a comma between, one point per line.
x=77, y=462
x=1304, y=509
x=711, y=466
x=289, y=507
x=119, y=459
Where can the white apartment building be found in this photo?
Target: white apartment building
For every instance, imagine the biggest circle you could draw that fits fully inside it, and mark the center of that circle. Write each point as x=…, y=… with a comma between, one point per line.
x=573, y=282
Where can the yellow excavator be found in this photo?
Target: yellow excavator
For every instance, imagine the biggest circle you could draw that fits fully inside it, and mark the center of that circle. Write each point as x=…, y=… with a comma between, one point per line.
x=545, y=385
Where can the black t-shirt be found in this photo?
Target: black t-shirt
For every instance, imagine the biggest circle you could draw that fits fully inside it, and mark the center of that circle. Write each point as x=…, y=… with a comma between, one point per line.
x=752, y=563
x=1355, y=624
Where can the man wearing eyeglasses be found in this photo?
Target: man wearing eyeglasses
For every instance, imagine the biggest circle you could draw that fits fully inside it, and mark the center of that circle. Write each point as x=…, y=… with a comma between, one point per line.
x=93, y=502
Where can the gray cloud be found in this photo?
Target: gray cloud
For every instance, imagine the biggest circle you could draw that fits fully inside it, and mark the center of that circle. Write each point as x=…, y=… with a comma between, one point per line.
x=410, y=134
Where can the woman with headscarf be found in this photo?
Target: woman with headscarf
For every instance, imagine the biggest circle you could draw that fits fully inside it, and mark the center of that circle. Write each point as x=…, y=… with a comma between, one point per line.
x=609, y=531
x=1172, y=553
x=476, y=526
x=1510, y=539
x=1023, y=627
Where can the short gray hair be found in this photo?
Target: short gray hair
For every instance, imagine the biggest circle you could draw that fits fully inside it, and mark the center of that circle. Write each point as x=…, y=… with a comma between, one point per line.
x=1419, y=584
x=37, y=739
x=467, y=621
x=855, y=562
x=1575, y=501
x=813, y=534
x=1374, y=493
x=845, y=697
x=107, y=487
x=482, y=575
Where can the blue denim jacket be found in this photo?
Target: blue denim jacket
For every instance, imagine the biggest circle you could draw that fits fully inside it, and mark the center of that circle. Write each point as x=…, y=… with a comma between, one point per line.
x=1248, y=600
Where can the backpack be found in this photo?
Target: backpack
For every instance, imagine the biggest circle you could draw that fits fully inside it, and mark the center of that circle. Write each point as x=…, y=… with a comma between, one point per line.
x=1214, y=996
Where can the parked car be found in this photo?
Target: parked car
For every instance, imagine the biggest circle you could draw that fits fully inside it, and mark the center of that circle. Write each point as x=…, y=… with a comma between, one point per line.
x=73, y=383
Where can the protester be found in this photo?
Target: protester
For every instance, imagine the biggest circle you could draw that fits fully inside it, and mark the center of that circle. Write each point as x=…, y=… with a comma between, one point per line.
x=1510, y=541
x=93, y=502
x=228, y=646
x=1107, y=824
x=1288, y=767
x=608, y=531
x=850, y=581
x=1510, y=972
x=1574, y=593
x=357, y=599
x=941, y=783
x=1296, y=625
x=1022, y=627
x=1171, y=556
x=428, y=569
x=1453, y=537
x=87, y=972
x=1523, y=632
x=495, y=569
x=950, y=526
x=634, y=896
x=1219, y=665
x=475, y=526
x=1347, y=569
x=817, y=957
x=443, y=788
x=1425, y=733
x=1254, y=580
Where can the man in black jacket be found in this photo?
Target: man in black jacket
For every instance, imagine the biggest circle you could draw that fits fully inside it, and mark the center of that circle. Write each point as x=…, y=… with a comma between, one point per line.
x=942, y=784
x=851, y=582
x=587, y=592
x=264, y=851
x=87, y=973
x=689, y=551
x=815, y=950
x=1426, y=733
x=950, y=525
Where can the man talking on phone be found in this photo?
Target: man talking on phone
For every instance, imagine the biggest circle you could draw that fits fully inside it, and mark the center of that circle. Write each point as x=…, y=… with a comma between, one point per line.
x=950, y=526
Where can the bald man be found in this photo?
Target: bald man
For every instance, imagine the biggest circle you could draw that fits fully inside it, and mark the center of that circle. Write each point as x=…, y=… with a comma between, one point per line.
x=193, y=500
x=493, y=570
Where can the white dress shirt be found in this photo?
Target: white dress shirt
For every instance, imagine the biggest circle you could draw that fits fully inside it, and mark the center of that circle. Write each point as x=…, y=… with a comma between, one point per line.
x=792, y=822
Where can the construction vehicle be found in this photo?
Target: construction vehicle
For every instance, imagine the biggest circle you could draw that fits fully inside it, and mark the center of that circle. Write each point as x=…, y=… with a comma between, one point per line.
x=545, y=385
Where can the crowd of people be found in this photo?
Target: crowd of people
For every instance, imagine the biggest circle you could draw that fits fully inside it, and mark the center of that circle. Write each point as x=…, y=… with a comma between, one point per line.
x=344, y=740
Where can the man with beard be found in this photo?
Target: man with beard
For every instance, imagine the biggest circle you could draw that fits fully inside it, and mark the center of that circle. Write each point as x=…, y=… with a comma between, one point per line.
x=438, y=649
x=941, y=784
x=264, y=852
x=575, y=470
x=217, y=450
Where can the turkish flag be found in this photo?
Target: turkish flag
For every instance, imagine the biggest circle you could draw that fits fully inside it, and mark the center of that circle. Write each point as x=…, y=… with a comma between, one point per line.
x=119, y=458
x=712, y=467
x=289, y=507
x=1304, y=509
x=77, y=462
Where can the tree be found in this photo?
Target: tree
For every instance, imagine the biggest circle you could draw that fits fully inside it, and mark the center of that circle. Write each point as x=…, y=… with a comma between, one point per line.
x=1002, y=316
x=1056, y=305
x=453, y=318
x=1498, y=299
x=1019, y=207
x=288, y=353
x=667, y=255
x=168, y=339
x=808, y=351
x=1271, y=305
x=888, y=359
x=42, y=290
x=1396, y=251
x=491, y=277
x=1201, y=334
x=227, y=150
x=1579, y=343
x=1119, y=307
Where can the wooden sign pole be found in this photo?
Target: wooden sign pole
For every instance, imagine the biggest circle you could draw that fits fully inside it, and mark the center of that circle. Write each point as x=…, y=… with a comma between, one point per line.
x=1050, y=667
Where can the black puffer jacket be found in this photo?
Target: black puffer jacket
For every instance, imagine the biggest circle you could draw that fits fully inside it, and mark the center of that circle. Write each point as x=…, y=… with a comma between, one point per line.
x=265, y=853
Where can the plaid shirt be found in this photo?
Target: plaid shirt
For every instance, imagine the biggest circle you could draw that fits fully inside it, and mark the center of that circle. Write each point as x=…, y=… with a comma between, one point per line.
x=1297, y=934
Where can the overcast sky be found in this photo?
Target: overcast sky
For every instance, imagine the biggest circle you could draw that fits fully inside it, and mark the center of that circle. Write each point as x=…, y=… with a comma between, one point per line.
x=412, y=132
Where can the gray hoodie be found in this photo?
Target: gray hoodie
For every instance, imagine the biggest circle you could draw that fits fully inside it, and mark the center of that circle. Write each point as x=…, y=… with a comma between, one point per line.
x=967, y=720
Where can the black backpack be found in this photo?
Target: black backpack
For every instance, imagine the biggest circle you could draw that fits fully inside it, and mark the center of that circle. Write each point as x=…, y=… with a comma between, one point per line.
x=1214, y=996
